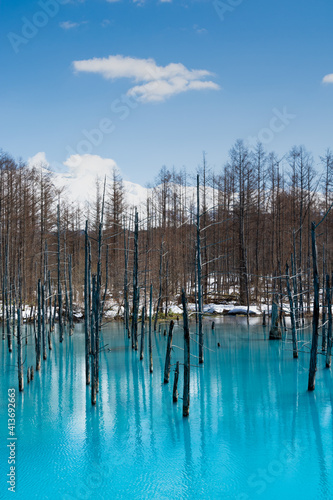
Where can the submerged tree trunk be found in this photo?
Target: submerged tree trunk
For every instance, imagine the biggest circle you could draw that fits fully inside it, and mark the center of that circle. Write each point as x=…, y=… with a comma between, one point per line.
x=150, y=327
x=201, y=355
x=292, y=316
x=142, y=345
x=275, y=331
x=43, y=323
x=126, y=305
x=186, y=392
x=315, y=321
x=168, y=354
x=86, y=306
x=135, y=287
x=39, y=333
x=19, y=352
x=329, y=328
x=61, y=332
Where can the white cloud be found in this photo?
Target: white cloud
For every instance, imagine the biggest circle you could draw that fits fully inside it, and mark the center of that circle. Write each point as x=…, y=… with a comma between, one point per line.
x=83, y=170
x=157, y=83
x=38, y=160
x=328, y=78
x=67, y=25
x=198, y=30
x=78, y=184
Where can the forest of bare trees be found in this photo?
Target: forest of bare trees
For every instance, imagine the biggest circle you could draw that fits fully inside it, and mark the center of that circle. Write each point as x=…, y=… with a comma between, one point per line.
x=254, y=216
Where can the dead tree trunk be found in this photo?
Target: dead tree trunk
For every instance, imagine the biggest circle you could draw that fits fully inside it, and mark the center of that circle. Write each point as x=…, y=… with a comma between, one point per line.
x=49, y=338
x=19, y=352
x=275, y=331
x=39, y=333
x=86, y=306
x=315, y=321
x=61, y=332
x=329, y=328
x=93, y=344
x=186, y=392
x=201, y=355
x=142, y=344
x=126, y=305
x=135, y=287
x=160, y=288
x=168, y=354
x=150, y=325
x=292, y=316
x=43, y=323
x=70, y=285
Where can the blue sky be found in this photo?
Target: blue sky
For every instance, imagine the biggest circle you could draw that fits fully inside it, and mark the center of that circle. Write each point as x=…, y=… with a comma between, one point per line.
x=260, y=60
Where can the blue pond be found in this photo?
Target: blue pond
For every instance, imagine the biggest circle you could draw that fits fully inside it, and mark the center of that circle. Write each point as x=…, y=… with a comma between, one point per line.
x=253, y=431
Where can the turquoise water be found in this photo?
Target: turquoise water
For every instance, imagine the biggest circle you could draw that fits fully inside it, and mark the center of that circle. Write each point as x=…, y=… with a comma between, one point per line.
x=253, y=431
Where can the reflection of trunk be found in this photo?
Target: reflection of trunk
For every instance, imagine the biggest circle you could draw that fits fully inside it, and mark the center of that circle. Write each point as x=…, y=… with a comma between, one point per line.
x=175, y=384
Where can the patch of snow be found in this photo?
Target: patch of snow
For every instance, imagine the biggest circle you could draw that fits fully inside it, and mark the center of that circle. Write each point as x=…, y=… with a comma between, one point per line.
x=243, y=310
x=174, y=309
x=217, y=308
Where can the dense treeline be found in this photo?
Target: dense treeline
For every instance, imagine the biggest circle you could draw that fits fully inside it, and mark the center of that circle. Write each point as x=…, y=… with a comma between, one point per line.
x=254, y=214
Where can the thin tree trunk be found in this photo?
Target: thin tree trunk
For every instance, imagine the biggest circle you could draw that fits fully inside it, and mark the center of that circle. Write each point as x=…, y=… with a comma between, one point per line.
x=168, y=354
x=135, y=287
x=292, y=316
x=142, y=346
x=315, y=321
x=61, y=332
x=150, y=327
x=86, y=306
x=43, y=323
x=160, y=288
x=19, y=351
x=70, y=285
x=329, y=328
x=186, y=392
x=39, y=333
x=201, y=353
